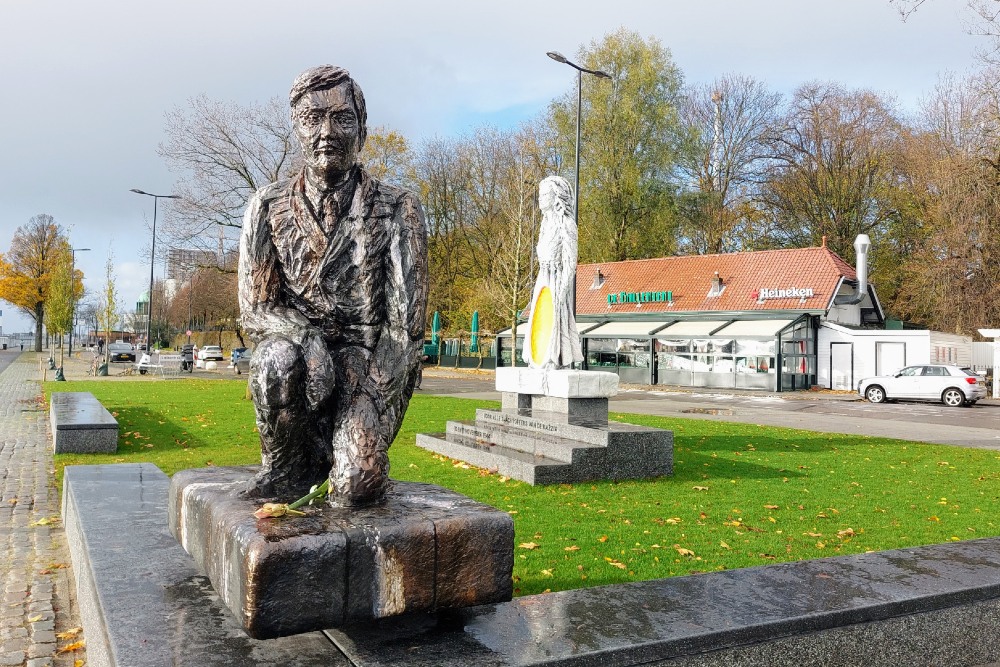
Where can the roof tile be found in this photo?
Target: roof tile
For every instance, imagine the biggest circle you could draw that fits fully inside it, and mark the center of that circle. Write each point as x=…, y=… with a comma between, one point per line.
x=689, y=279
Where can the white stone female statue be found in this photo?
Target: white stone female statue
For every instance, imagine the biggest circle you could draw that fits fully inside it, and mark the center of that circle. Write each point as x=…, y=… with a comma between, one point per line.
x=552, y=340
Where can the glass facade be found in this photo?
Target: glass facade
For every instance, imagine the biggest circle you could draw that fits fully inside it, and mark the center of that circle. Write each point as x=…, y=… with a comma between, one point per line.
x=798, y=355
x=750, y=358
x=629, y=357
x=716, y=362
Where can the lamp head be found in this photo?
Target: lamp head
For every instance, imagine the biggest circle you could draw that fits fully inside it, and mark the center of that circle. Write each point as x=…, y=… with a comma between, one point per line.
x=558, y=57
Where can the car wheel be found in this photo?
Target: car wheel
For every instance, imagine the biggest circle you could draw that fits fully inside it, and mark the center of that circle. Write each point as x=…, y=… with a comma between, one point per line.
x=142, y=371
x=875, y=394
x=953, y=398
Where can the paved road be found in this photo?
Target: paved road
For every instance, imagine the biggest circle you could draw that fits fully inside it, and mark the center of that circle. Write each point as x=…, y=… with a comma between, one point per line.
x=978, y=426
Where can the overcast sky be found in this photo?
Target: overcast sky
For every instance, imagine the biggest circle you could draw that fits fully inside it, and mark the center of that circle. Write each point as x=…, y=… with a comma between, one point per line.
x=85, y=84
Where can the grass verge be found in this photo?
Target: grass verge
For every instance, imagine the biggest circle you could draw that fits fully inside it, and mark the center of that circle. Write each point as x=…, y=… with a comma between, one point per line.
x=741, y=495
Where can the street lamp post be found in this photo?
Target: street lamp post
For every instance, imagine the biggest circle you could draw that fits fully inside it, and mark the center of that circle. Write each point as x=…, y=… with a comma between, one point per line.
x=152, y=262
x=72, y=295
x=560, y=58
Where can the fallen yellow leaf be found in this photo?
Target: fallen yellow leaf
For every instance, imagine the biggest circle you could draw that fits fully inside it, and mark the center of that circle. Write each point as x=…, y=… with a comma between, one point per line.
x=682, y=551
x=813, y=534
x=35, y=619
x=572, y=548
x=602, y=538
x=847, y=532
x=723, y=545
x=69, y=634
x=75, y=646
x=700, y=488
x=771, y=507
x=528, y=545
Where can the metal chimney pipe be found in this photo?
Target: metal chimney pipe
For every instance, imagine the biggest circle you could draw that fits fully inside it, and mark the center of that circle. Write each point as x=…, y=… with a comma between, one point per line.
x=862, y=244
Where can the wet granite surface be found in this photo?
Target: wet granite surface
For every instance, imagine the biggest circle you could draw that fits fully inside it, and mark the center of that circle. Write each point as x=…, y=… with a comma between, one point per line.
x=80, y=424
x=932, y=605
x=143, y=602
x=783, y=614
x=423, y=548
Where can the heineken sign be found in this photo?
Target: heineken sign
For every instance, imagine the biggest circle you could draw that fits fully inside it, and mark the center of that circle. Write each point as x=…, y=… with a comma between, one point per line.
x=764, y=293
x=640, y=297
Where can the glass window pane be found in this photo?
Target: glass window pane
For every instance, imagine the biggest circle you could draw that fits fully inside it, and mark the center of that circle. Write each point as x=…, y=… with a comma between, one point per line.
x=673, y=346
x=721, y=346
x=601, y=344
x=755, y=347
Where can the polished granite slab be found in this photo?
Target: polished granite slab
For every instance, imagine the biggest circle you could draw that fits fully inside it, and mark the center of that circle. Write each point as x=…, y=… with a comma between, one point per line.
x=144, y=604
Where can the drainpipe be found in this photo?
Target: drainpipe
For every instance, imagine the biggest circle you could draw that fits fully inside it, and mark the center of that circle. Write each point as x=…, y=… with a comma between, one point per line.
x=861, y=246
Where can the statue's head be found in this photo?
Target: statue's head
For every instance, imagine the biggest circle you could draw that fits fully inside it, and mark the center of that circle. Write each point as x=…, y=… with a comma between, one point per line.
x=329, y=119
x=555, y=195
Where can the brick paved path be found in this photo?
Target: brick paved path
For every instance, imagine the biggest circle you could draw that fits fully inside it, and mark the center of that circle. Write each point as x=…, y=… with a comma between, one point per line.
x=36, y=584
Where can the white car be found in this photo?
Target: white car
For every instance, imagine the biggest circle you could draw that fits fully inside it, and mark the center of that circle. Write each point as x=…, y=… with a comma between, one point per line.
x=210, y=353
x=951, y=385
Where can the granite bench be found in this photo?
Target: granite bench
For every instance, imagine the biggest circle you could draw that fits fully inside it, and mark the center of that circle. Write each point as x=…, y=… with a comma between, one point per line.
x=920, y=607
x=81, y=425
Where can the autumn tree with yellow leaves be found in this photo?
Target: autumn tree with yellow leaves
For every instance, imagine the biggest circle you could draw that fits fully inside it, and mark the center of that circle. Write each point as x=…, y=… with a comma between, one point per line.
x=27, y=269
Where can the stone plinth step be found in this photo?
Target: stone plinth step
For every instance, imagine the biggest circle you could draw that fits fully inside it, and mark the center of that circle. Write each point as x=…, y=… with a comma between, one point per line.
x=423, y=548
x=637, y=460
x=537, y=422
x=538, y=444
x=505, y=461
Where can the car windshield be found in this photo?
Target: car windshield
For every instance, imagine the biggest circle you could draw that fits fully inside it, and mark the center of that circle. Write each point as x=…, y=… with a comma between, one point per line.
x=120, y=347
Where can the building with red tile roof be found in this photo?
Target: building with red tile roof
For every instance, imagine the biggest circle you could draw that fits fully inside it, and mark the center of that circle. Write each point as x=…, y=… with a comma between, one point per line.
x=778, y=320
x=747, y=284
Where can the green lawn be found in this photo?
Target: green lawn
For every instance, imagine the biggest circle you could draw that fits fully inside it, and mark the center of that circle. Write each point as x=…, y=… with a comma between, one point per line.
x=740, y=495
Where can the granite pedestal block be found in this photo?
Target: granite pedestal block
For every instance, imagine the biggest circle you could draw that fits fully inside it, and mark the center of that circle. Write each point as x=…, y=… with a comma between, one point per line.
x=540, y=447
x=553, y=429
x=562, y=383
x=424, y=548
x=81, y=425
x=143, y=603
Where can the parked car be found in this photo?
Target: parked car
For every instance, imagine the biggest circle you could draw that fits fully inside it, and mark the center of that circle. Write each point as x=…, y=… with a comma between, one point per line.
x=121, y=352
x=951, y=385
x=210, y=353
x=242, y=364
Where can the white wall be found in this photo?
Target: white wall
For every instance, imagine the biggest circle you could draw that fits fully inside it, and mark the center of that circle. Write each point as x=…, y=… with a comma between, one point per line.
x=864, y=342
x=982, y=356
x=950, y=349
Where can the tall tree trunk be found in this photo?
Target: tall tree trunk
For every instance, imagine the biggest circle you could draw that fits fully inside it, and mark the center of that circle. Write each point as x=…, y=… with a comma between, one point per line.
x=39, y=314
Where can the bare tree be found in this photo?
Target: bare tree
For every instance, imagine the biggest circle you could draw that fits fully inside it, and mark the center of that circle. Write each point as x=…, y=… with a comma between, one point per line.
x=833, y=170
x=525, y=159
x=223, y=152
x=109, y=302
x=731, y=123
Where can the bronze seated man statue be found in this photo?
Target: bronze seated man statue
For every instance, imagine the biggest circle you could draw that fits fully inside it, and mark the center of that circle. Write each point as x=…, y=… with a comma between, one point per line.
x=333, y=290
